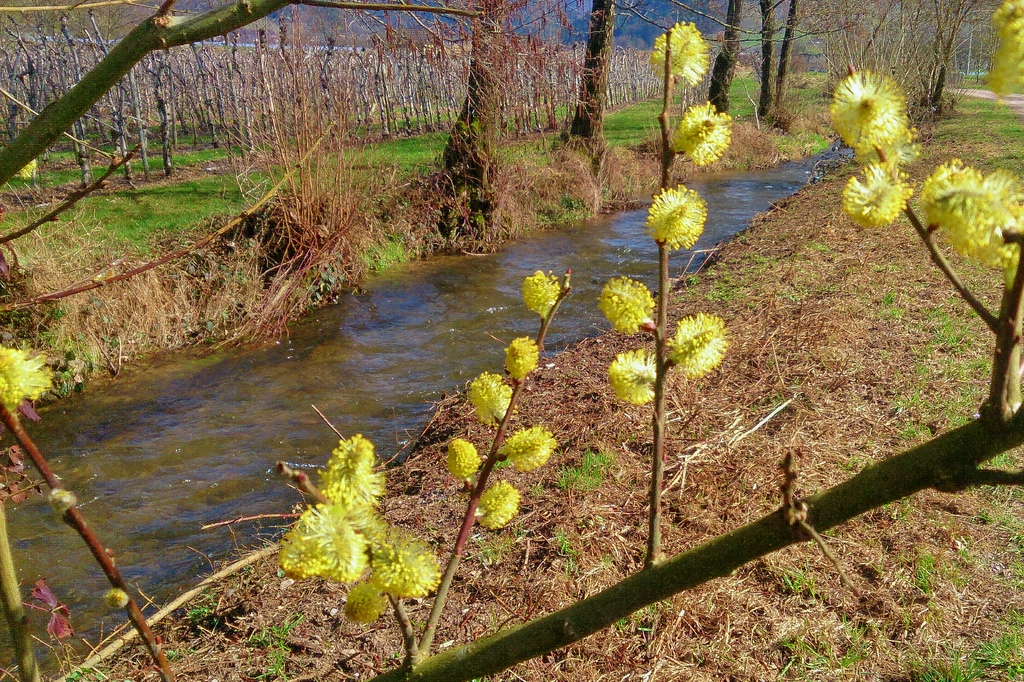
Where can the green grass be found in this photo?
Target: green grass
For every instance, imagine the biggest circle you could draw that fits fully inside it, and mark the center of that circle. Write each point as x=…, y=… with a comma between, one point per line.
x=632, y=125
x=133, y=217
x=995, y=133
x=589, y=475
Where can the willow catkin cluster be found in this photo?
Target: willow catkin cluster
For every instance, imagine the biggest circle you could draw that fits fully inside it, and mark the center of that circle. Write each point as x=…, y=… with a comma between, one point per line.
x=689, y=61
x=345, y=539
x=1007, y=72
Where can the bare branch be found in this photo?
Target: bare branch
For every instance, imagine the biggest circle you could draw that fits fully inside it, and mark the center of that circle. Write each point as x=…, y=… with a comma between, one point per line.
x=940, y=260
x=71, y=200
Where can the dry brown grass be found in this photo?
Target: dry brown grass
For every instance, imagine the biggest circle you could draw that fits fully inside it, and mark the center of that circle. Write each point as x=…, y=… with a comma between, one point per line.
x=875, y=352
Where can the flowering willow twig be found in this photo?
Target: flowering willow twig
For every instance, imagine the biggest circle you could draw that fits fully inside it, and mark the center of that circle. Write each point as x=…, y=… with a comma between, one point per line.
x=14, y=610
x=481, y=484
x=73, y=517
x=302, y=482
x=660, y=332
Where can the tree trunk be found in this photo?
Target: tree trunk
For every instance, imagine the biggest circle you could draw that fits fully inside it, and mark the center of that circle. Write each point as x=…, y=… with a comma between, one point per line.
x=468, y=153
x=725, y=62
x=767, y=99
x=588, y=123
x=786, y=52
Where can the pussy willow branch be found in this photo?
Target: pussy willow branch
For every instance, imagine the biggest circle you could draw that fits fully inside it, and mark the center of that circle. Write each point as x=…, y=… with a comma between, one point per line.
x=98, y=280
x=14, y=609
x=474, y=500
x=927, y=236
x=303, y=483
x=71, y=199
x=948, y=462
x=301, y=480
x=661, y=327
x=1004, y=391
x=405, y=625
x=73, y=517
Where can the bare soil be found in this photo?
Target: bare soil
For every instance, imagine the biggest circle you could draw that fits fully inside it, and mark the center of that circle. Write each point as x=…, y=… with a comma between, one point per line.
x=875, y=352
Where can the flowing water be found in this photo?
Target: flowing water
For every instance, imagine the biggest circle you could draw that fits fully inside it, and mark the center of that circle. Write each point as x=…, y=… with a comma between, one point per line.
x=194, y=440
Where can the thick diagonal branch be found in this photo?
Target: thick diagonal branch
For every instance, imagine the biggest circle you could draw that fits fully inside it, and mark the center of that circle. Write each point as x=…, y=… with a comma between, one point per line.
x=947, y=462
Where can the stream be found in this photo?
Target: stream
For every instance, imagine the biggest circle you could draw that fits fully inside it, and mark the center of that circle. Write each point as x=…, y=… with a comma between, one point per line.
x=193, y=439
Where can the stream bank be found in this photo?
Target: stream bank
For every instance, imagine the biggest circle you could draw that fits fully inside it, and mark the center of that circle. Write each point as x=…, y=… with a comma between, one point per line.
x=234, y=290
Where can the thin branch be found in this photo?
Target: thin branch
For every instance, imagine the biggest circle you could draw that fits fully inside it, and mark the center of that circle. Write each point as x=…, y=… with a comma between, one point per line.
x=381, y=6
x=327, y=421
x=302, y=482
x=25, y=9
x=240, y=519
x=73, y=517
x=940, y=260
x=102, y=277
x=820, y=541
x=405, y=625
x=71, y=200
x=474, y=500
x=14, y=610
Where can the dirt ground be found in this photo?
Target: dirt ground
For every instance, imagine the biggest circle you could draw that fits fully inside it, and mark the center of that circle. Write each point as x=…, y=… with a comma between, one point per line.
x=875, y=353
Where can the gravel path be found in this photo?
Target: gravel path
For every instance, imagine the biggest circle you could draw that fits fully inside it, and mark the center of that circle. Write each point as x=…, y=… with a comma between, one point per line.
x=1015, y=102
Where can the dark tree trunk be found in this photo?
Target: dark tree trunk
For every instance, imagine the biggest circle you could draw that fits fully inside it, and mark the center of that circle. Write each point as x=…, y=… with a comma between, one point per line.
x=588, y=123
x=469, y=151
x=725, y=62
x=767, y=99
x=786, y=52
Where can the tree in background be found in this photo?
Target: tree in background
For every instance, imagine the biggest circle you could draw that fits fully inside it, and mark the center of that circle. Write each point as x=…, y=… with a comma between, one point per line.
x=588, y=122
x=725, y=62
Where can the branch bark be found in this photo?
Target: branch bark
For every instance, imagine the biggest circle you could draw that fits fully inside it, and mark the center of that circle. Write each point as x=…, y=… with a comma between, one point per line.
x=949, y=463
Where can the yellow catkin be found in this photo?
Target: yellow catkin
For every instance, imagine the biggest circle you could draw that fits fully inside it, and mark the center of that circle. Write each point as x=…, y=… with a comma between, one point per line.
x=877, y=200
x=869, y=112
x=116, y=598
x=529, y=448
x=349, y=477
x=540, y=292
x=498, y=505
x=491, y=397
x=325, y=542
x=463, y=459
x=703, y=134
x=1007, y=72
x=626, y=303
x=405, y=566
x=676, y=218
x=690, y=59
x=365, y=603
x=521, y=357
x=22, y=377
x=632, y=376
x=972, y=210
x=699, y=345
